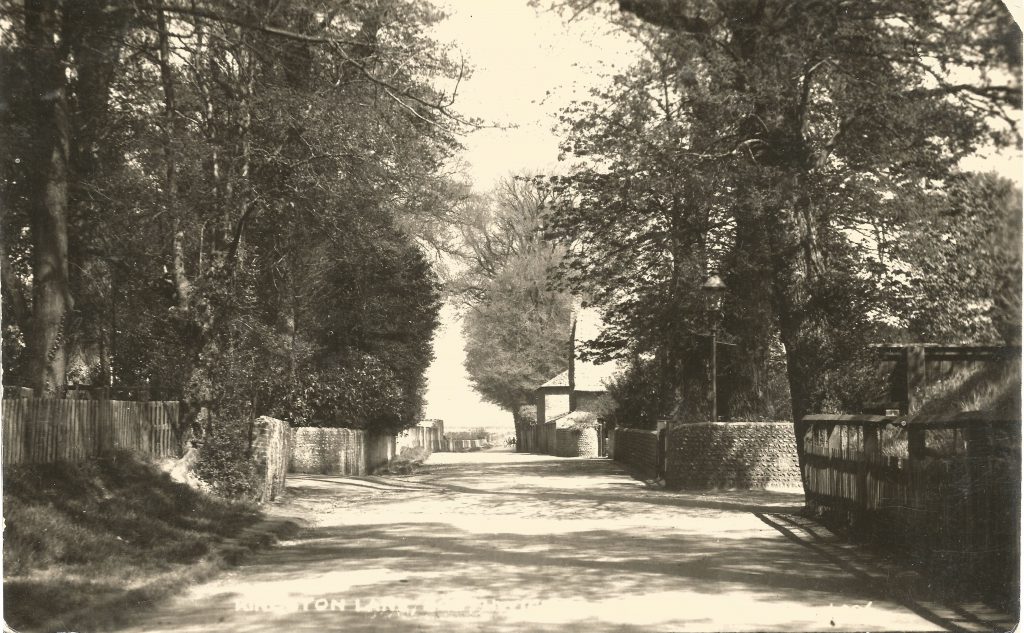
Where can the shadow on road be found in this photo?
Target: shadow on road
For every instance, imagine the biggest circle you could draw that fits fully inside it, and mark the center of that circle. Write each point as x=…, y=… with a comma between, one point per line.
x=546, y=544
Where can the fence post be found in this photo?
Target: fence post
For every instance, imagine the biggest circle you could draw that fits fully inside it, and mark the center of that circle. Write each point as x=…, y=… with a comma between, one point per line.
x=915, y=375
x=662, y=452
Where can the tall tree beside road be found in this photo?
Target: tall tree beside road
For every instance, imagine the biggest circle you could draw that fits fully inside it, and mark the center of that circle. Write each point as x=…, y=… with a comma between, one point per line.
x=517, y=336
x=960, y=267
x=221, y=166
x=810, y=122
x=42, y=167
x=516, y=325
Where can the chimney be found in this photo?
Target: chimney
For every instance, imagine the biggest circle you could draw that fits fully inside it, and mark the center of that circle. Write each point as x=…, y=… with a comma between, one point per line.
x=574, y=312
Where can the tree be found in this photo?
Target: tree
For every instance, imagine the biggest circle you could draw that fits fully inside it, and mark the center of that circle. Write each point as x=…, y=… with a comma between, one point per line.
x=645, y=226
x=45, y=146
x=959, y=270
x=495, y=228
x=517, y=337
x=516, y=324
x=240, y=182
x=809, y=123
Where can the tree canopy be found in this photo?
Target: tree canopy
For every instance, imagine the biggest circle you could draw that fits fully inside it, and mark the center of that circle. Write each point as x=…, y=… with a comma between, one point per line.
x=517, y=325
x=226, y=201
x=779, y=144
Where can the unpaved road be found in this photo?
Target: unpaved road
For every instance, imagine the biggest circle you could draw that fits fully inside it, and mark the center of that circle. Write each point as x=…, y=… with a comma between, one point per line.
x=496, y=541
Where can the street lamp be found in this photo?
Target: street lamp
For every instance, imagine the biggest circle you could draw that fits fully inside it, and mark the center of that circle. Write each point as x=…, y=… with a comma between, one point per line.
x=714, y=288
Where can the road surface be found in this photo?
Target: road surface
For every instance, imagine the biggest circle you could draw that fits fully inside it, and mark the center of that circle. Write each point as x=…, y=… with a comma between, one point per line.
x=496, y=541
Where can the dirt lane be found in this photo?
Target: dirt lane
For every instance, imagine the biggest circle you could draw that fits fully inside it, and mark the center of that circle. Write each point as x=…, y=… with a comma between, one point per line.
x=497, y=541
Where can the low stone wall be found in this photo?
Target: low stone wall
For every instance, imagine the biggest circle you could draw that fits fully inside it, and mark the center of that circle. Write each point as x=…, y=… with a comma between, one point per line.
x=272, y=450
x=576, y=442
x=745, y=455
x=331, y=451
x=637, y=449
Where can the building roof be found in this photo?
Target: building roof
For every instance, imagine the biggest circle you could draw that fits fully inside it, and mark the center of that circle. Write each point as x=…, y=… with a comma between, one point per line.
x=561, y=380
x=574, y=419
x=587, y=377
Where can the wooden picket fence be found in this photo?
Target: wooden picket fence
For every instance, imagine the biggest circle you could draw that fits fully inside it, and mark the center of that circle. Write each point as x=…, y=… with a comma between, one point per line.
x=46, y=430
x=948, y=505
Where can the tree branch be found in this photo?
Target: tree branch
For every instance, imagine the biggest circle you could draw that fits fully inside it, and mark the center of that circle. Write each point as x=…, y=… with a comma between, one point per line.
x=196, y=12
x=665, y=13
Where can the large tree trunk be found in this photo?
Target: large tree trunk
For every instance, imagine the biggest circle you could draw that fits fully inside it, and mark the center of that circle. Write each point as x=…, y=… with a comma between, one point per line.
x=48, y=204
x=794, y=277
x=799, y=367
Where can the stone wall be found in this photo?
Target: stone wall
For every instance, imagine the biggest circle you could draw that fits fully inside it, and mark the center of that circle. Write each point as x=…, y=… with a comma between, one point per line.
x=575, y=442
x=272, y=448
x=330, y=451
x=637, y=449
x=732, y=455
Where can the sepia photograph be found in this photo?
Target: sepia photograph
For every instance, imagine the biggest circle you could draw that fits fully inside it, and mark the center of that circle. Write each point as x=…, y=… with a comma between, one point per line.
x=511, y=316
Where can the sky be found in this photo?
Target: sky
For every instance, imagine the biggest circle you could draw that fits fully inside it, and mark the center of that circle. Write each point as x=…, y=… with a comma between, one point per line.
x=529, y=64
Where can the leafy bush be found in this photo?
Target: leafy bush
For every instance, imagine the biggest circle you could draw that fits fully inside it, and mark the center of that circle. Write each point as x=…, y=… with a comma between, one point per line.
x=638, y=401
x=469, y=434
x=225, y=460
x=416, y=454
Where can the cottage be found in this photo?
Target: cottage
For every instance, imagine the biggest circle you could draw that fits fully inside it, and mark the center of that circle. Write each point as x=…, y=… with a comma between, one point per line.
x=563, y=400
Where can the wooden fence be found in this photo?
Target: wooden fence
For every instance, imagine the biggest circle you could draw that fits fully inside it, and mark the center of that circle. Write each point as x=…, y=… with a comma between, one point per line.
x=641, y=450
x=133, y=393
x=908, y=369
x=428, y=435
x=944, y=492
x=44, y=430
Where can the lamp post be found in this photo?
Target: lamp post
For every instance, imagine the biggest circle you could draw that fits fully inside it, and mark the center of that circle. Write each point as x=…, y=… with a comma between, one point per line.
x=714, y=288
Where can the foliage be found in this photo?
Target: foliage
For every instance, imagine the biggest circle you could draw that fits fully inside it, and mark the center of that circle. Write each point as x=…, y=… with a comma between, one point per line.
x=84, y=539
x=779, y=145
x=517, y=323
x=639, y=397
x=517, y=339
x=495, y=228
x=479, y=433
x=248, y=191
x=414, y=454
x=224, y=460
x=961, y=269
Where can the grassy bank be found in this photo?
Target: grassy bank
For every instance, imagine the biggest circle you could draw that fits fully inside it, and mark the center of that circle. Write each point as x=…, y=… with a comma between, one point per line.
x=87, y=544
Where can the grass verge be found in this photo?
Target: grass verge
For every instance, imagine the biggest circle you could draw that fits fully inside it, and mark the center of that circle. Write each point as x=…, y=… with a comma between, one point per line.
x=88, y=545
